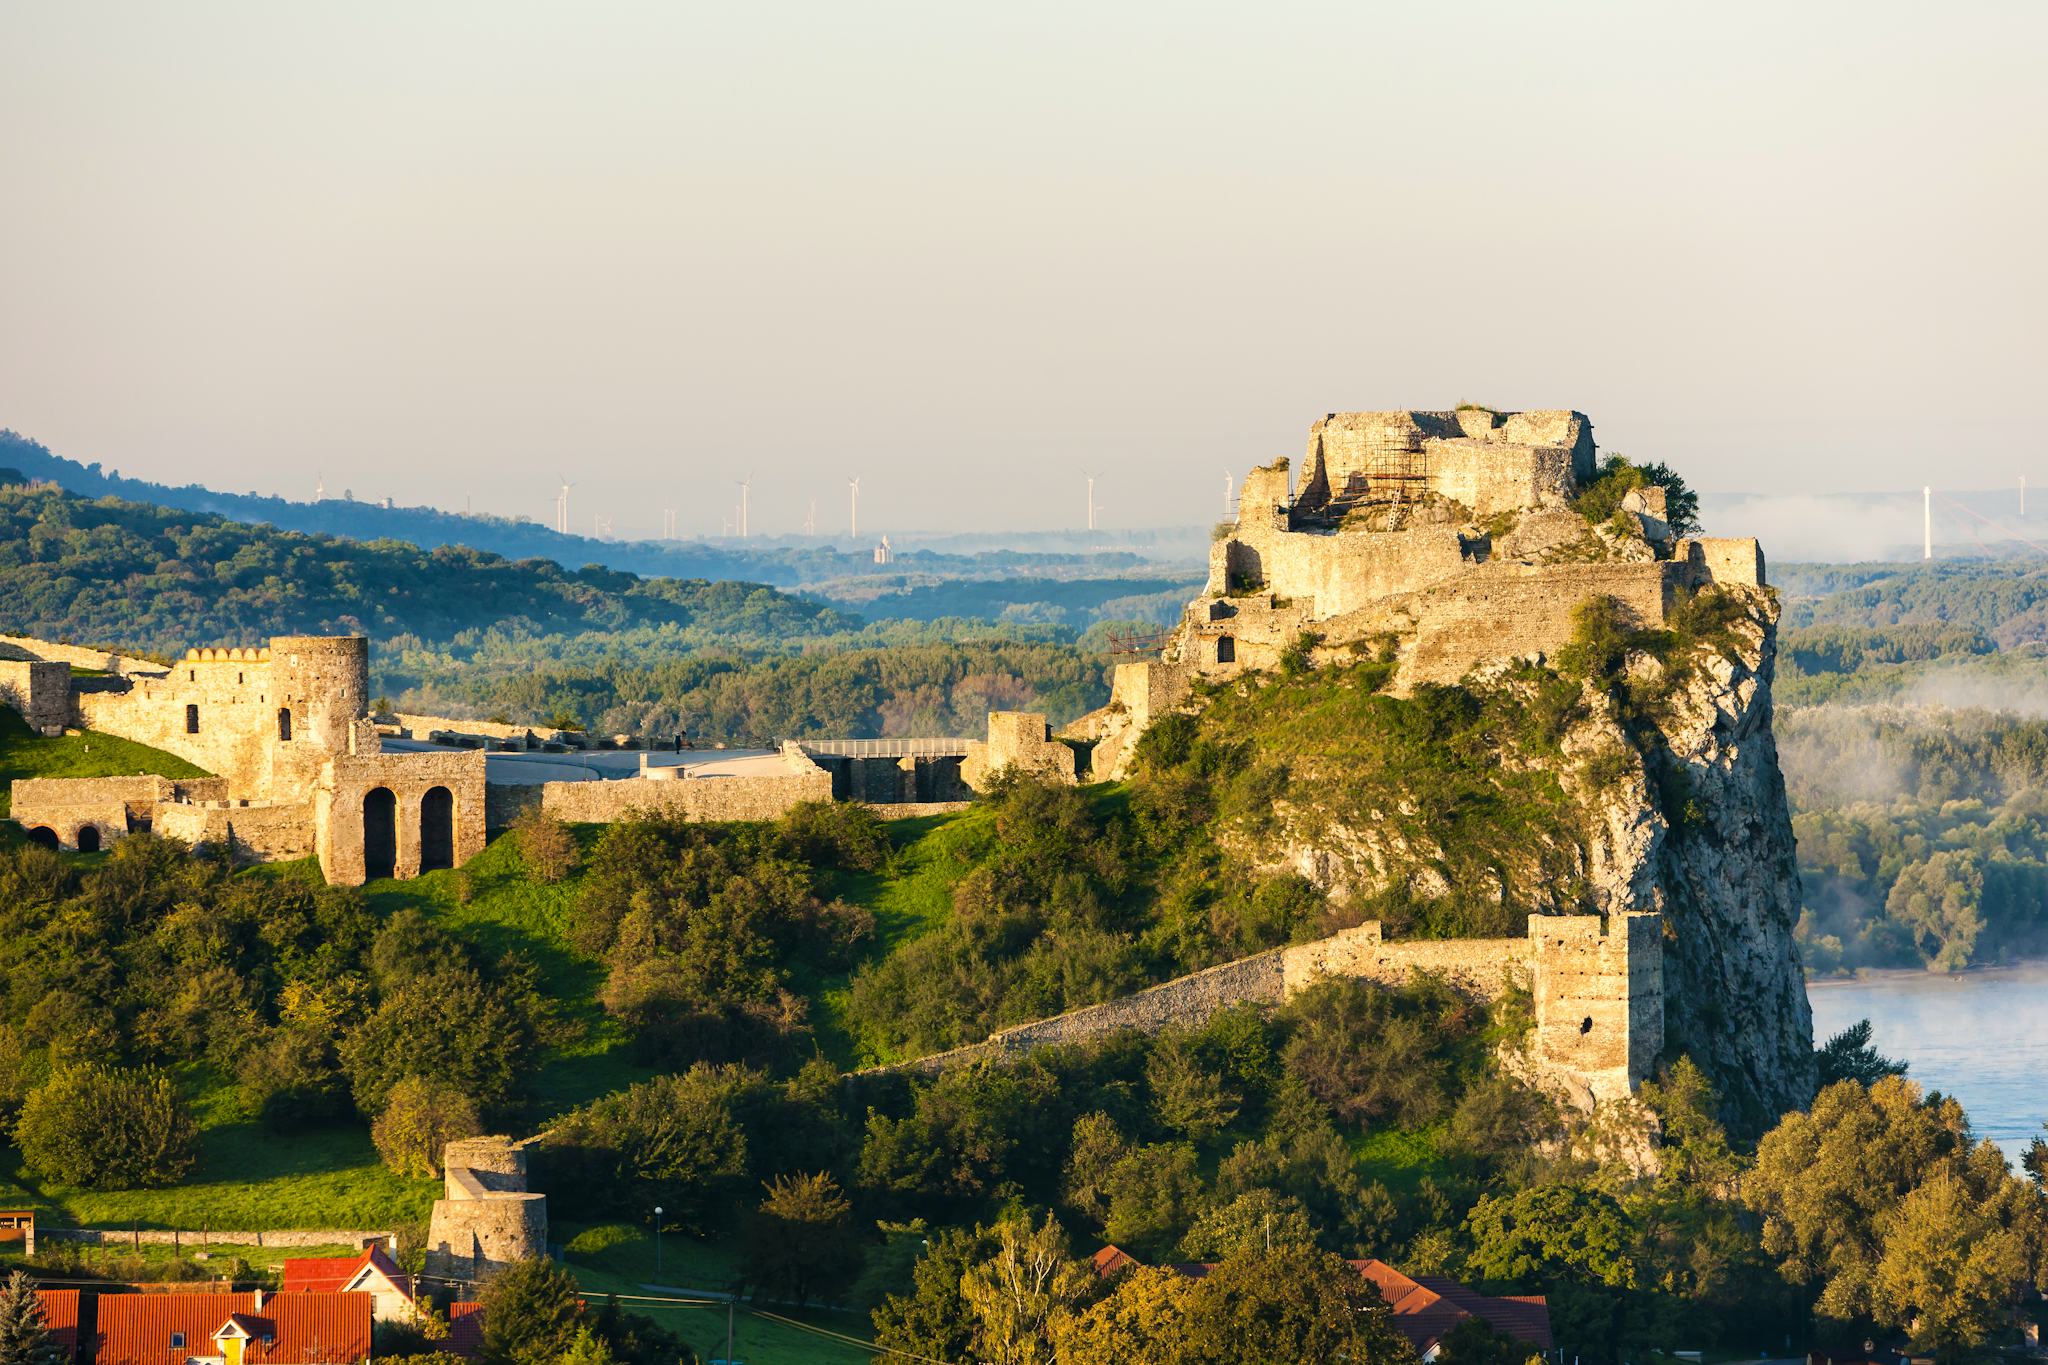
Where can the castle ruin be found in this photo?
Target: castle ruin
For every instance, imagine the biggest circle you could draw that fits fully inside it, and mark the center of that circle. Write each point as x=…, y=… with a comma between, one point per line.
x=298, y=767
x=487, y=1219
x=1448, y=535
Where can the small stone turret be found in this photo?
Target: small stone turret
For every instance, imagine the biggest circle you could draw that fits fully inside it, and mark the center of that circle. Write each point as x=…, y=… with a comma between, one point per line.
x=489, y=1219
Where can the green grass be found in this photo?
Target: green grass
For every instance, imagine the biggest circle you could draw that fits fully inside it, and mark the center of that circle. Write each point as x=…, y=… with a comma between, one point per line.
x=690, y=1263
x=1399, y=1158
x=24, y=753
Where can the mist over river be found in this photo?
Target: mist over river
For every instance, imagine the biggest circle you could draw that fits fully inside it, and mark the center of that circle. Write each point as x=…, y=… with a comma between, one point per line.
x=1981, y=1036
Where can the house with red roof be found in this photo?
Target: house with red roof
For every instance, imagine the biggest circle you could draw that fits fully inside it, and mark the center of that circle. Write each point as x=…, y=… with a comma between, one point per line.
x=1425, y=1308
x=465, y=1330
x=373, y=1272
x=232, y=1329
x=60, y=1315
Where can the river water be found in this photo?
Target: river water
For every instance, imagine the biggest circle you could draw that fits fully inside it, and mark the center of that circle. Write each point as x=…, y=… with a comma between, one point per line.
x=1981, y=1036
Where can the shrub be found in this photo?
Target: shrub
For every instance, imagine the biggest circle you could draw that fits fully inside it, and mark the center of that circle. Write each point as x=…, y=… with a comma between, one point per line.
x=106, y=1129
x=546, y=846
x=421, y=1117
x=800, y=1242
x=600, y=1239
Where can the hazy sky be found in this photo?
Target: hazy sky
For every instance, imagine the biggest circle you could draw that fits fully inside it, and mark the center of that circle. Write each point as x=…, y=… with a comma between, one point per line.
x=438, y=251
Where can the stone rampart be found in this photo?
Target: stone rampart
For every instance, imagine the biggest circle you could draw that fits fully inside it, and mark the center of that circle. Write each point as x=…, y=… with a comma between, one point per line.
x=40, y=689
x=1733, y=561
x=99, y=660
x=204, y=1237
x=1508, y=611
x=261, y=832
x=915, y=810
x=693, y=798
x=1598, y=993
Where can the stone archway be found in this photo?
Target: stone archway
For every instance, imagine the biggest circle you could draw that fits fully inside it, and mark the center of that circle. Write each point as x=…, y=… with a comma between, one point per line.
x=44, y=836
x=89, y=839
x=437, y=829
x=380, y=833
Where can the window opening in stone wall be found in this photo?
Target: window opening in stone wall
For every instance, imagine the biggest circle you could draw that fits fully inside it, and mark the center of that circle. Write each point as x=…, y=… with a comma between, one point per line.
x=380, y=833
x=284, y=722
x=1226, y=649
x=1586, y=1024
x=437, y=829
x=192, y=719
x=89, y=840
x=44, y=835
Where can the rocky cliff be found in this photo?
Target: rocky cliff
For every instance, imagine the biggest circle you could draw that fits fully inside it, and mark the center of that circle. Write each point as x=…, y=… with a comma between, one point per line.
x=1643, y=775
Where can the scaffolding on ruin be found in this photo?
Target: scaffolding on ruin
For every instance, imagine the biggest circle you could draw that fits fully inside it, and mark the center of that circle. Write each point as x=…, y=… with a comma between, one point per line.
x=1397, y=475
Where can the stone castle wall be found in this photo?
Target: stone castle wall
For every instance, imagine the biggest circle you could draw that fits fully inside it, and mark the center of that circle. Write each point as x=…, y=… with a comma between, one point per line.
x=1598, y=992
x=110, y=806
x=1020, y=740
x=692, y=798
x=99, y=660
x=263, y=832
x=264, y=719
x=40, y=689
x=1506, y=611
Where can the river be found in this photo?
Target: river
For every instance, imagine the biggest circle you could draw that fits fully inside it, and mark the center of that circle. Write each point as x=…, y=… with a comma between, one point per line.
x=1981, y=1036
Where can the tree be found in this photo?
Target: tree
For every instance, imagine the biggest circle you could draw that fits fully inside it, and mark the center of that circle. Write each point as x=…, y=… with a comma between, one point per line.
x=1824, y=1180
x=452, y=1026
x=1549, y=1232
x=1014, y=1295
x=1140, y=1322
x=1188, y=1095
x=546, y=846
x=1848, y=1056
x=533, y=1314
x=420, y=1118
x=1254, y=1221
x=1474, y=1342
x=933, y=1319
x=674, y=1140
x=1292, y=1303
x=1939, y=901
x=2034, y=1161
x=107, y=1129
x=24, y=1332
x=799, y=1241
x=1153, y=1195
x=1949, y=1272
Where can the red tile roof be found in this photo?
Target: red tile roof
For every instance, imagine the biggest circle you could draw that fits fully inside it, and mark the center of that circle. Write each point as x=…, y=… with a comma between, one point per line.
x=308, y=1329
x=333, y=1274
x=1425, y=1307
x=60, y=1315
x=303, y=1329
x=465, y=1330
x=138, y=1329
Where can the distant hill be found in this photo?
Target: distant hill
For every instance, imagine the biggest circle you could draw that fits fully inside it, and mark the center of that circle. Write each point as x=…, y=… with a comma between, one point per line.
x=142, y=577
x=784, y=564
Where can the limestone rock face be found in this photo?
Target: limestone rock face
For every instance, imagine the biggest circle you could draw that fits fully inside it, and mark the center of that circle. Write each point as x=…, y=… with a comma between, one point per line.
x=1684, y=813
x=1735, y=996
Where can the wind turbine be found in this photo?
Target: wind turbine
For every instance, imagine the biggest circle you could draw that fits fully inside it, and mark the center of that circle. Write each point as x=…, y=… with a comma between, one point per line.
x=853, y=508
x=1229, y=493
x=745, y=484
x=562, y=505
x=1091, y=498
x=811, y=519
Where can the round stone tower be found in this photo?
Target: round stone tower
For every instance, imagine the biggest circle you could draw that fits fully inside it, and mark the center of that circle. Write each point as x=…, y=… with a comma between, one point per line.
x=320, y=685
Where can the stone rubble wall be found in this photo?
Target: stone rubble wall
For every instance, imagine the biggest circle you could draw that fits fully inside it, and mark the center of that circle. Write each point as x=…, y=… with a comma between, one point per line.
x=202, y=1238
x=1020, y=740
x=1507, y=611
x=100, y=660
x=1597, y=987
x=263, y=832
x=693, y=798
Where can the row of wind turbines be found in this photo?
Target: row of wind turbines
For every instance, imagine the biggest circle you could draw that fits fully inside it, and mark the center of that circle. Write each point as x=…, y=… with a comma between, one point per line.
x=738, y=521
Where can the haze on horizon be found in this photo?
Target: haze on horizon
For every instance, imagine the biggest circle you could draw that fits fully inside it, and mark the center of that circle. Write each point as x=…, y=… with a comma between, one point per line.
x=447, y=252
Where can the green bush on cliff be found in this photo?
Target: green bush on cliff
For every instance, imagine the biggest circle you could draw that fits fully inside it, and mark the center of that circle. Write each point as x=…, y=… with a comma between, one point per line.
x=1619, y=476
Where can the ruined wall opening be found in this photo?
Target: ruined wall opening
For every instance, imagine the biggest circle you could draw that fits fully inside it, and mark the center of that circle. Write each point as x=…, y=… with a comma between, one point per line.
x=437, y=829
x=43, y=835
x=380, y=833
x=1226, y=649
x=1586, y=1025
x=192, y=718
x=284, y=723
x=89, y=839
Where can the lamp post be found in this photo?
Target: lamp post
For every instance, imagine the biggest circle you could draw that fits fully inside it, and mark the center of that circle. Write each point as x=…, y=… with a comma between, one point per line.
x=657, y=1243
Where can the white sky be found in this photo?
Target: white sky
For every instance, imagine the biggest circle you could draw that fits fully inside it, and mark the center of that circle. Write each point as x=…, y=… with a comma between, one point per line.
x=965, y=250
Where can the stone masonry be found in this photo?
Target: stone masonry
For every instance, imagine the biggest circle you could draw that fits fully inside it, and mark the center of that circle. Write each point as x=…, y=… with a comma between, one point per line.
x=487, y=1219
x=1448, y=535
x=1597, y=985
